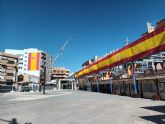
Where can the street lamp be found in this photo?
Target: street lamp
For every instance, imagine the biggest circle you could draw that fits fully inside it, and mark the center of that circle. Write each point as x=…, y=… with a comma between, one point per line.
x=44, y=80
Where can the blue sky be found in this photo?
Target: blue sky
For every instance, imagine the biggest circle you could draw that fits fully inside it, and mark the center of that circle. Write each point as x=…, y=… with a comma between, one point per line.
x=96, y=26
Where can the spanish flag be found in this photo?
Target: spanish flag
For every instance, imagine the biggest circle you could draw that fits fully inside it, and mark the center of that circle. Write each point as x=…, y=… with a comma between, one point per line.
x=145, y=46
x=33, y=61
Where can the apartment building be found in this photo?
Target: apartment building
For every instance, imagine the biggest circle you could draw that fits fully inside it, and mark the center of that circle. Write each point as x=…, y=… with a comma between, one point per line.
x=59, y=73
x=26, y=78
x=33, y=61
x=90, y=61
x=8, y=69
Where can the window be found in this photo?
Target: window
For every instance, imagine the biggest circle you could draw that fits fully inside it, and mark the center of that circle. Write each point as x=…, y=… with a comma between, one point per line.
x=19, y=67
x=162, y=87
x=10, y=62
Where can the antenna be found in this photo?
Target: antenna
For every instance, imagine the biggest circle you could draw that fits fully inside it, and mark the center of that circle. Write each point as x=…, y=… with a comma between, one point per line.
x=126, y=41
x=59, y=53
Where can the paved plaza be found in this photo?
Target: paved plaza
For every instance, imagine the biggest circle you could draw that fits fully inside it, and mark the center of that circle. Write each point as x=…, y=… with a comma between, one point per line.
x=79, y=107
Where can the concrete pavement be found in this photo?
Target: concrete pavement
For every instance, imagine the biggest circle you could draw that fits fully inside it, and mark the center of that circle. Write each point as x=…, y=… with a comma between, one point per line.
x=26, y=96
x=80, y=107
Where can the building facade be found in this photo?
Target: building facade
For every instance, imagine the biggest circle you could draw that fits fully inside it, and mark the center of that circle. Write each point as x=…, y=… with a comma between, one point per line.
x=90, y=61
x=8, y=69
x=33, y=62
x=59, y=73
x=26, y=80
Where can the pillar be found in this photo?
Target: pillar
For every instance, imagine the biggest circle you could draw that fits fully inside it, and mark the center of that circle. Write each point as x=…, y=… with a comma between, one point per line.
x=72, y=85
x=59, y=84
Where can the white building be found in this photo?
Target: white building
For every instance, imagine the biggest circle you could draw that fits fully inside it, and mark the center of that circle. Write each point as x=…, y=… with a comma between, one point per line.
x=33, y=61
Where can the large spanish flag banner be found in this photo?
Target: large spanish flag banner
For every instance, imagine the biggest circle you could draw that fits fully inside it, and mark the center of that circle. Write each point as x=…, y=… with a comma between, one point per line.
x=33, y=61
x=147, y=45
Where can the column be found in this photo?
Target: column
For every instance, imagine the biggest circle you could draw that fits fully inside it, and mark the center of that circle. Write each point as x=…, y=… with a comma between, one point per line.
x=59, y=85
x=72, y=84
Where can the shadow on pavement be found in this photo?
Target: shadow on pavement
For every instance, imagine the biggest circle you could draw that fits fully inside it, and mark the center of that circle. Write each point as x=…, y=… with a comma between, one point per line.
x=4, y=120
x=13, y=121
x=158, y=119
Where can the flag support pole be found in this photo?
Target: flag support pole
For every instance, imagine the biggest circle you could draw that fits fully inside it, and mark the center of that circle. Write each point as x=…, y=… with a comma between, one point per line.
x=97, y=84
x=134, y=79
x=110, y=85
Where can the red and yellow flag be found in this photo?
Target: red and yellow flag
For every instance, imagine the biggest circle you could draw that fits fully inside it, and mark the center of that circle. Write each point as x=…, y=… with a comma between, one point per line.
x=147, y=45
x=33, y=61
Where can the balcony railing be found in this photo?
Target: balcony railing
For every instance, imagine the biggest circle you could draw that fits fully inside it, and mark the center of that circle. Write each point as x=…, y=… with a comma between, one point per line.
x=9, y=78
x=2, y=70
x=2, y=80
x=3, y=62
x=12, y=65
x=10, y=71
x=2, y=77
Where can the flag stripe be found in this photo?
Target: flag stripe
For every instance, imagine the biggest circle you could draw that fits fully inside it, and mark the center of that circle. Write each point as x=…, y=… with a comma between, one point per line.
x=29, y=61
x=38, y=61
x=33, y=61
x=160, y=48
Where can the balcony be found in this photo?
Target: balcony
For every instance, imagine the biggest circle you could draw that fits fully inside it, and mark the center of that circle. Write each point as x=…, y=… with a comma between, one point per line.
x=10, y=68
x=12, y=65
x=2, y=77
x=2, y=70
x=2, y=80
x=12, y=59
x=9, y=71
x=9, y=78
x=3, y=62
x=57, y=76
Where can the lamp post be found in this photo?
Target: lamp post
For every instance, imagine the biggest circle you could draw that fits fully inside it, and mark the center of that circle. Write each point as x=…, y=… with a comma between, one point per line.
x=44, y=79
x=110, y=84
x=97, y=83
x=110, y=81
